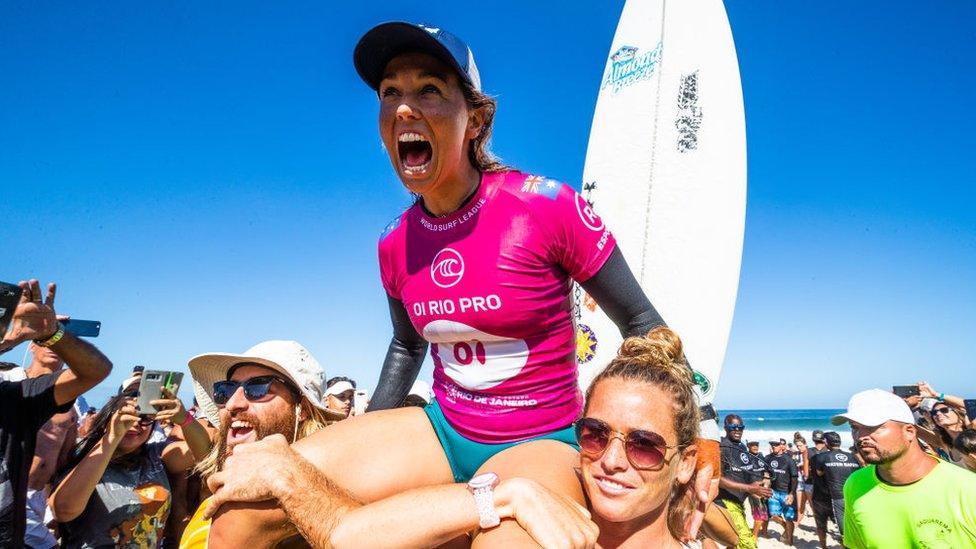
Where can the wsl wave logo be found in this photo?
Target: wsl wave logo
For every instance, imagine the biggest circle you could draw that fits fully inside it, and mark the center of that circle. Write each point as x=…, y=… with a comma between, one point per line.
x=447, y=268
x=629, y=66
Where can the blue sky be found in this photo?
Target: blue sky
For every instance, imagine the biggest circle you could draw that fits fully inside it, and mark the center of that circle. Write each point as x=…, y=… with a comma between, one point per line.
x=203, y=177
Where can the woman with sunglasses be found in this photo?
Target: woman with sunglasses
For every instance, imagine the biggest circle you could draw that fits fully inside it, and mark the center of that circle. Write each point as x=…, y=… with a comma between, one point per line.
x=115, y=489
x=948, y=416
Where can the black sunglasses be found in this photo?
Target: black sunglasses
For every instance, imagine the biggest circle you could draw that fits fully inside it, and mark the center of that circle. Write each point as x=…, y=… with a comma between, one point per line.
x=943, y=411
x=255, y=388
x=644, y=449
x=735, y=426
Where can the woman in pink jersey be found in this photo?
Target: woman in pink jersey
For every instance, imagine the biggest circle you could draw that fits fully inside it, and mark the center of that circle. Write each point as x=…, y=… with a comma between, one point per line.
x=480, y=268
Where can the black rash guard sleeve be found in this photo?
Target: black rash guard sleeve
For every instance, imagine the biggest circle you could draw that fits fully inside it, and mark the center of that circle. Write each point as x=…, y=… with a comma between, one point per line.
x=794, y=476
x=616, y=290
x=403, y=360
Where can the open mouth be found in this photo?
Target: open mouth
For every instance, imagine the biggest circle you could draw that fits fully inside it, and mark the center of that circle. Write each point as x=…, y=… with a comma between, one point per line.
x=415, y=152
x=240, y=431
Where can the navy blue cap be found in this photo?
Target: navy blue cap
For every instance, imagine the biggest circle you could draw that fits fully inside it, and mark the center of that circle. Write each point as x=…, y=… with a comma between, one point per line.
x=387, y=40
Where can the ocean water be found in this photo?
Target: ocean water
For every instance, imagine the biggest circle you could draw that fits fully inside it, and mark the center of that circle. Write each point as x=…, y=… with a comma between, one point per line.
x=762, y=425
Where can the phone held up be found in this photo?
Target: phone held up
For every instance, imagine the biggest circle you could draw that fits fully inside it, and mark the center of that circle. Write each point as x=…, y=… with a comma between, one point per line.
x=359, y=401
x=905, y=391
x=970, y=404
x=151, y=388
x=9, y=298
x=82, y=328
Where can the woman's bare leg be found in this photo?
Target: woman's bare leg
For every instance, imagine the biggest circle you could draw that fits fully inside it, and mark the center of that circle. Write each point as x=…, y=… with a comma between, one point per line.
x=548, y=462
x=379, y=454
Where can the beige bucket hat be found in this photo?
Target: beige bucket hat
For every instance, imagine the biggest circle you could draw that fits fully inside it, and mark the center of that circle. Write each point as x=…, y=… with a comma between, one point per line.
x=289, y=358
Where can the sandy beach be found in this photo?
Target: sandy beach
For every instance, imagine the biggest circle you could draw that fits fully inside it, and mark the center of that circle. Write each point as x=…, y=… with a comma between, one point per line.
x=804, y=536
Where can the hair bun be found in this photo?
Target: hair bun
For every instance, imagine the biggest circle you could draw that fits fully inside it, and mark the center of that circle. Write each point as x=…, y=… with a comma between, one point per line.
x=660, y=345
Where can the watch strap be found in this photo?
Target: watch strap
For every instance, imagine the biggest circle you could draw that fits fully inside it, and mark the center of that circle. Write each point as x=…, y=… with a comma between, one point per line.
x=482, y=487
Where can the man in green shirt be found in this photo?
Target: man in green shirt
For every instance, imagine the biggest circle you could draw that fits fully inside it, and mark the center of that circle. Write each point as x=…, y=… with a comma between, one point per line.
x=904, y=497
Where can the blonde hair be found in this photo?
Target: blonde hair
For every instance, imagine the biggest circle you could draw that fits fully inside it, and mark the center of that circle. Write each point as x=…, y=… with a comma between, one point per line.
x=658, y=359
x=315, y=419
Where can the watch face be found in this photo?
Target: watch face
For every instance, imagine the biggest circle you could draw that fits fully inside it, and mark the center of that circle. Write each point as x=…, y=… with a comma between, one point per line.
x=484, y=480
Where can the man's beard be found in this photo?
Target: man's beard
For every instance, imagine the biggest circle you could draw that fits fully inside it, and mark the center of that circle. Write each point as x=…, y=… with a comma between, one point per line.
x=283, y=424
x=881, y=456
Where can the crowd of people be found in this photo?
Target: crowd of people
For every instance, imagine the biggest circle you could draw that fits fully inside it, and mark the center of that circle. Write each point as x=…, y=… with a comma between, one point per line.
x=898, y=442
x=119, y=477
x=504, y=449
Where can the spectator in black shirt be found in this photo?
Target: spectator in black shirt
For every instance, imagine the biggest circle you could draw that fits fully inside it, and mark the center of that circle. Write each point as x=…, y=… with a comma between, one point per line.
x=833, y=466
x=27, y=405
x=808, y=477
x=737, y=480
x=760, y=473
x=784, y=477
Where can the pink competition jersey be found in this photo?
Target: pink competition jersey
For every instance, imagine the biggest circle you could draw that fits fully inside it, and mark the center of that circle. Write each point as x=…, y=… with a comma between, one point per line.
x=490, y=288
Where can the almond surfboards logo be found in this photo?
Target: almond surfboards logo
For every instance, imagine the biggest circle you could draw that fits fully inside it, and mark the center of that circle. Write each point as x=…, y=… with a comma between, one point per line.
x=447, y=268
x=629, y=65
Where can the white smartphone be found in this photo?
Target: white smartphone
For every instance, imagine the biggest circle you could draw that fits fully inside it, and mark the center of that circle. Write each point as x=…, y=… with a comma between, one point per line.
x=151, y=388
x=359, y=401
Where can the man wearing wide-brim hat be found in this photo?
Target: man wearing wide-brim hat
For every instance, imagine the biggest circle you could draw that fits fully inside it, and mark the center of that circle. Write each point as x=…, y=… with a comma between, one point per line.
x=273, y=388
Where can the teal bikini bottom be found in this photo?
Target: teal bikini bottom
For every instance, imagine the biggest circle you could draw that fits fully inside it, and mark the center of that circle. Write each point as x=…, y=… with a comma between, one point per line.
x=466, y=456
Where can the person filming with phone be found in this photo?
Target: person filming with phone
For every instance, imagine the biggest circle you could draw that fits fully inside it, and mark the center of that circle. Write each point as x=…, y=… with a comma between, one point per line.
x=26, y=405
x=946, y=415
x=115, y=490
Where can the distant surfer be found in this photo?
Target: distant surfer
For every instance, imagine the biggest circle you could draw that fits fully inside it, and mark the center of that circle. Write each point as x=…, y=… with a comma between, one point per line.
x=481, y=267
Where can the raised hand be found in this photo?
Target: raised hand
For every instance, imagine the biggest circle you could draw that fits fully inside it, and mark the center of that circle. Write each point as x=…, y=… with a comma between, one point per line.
x=926, y=390
x=122, y=420
x=34, y=317
x=169, y=408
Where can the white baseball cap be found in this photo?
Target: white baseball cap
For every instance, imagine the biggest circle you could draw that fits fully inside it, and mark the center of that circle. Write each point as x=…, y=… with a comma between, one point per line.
x=339, y=387
x=288, y=358
x=874, y=407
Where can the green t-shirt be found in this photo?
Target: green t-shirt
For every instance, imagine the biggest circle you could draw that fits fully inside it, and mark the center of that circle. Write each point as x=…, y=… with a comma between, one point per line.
x=935, y=512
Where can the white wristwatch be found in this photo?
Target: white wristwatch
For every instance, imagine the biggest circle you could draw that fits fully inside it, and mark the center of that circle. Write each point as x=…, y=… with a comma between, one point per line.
x=483, y=489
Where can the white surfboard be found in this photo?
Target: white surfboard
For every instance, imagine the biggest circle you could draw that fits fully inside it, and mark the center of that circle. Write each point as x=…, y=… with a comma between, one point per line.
x=666, y=169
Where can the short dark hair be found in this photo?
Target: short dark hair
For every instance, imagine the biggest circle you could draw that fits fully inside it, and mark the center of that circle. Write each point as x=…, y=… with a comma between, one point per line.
x=832, y=438
x=752, y=443
x=732, y=417
x=966, y=441
x=337, y=379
